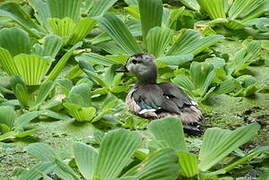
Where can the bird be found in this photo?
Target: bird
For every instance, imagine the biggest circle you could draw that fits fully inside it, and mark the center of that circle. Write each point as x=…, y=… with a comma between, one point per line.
x=153, y=100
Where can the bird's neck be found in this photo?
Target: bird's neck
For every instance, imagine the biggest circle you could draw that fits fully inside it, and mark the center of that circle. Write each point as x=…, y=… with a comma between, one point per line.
x=148, y=78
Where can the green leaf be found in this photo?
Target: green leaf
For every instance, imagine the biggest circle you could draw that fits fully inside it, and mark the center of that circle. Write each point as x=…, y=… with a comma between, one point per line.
x=188, y=164
x=65, y=8
x=157, y=40
x=31, y=68
x=95, y=59
x=37, y=171
x=88, y=69
x=160, y=165
x=202, y=75
x=42, y=12
x=25, y=119
x=184, y=82
x=119, y=32
x=131, y=2
x=54, y=115
x=217, y=144
x=193, y=4
x=20, y=90
x=44, y=91
x=61, y=63
x=42, y=152
x=176, y=60
x=241, y=8
x=226, y=86
x=7, y=62
x=99, y=7
x=11, y=36
x=62, y=27
x=115, y=152
x=81, y=30
x=151, y=12
x=51, y=47
x=7, y=116
x=16, y=13
x=169, y=131
x=80, y=113
x=86, y=159
x=191, y=41
x=215, y=8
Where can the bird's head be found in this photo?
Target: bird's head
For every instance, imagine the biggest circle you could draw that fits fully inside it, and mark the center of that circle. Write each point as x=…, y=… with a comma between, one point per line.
x=142, y=65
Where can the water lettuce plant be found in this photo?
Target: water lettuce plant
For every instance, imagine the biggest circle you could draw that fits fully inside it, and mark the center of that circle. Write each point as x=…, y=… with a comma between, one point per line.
x=217, y=144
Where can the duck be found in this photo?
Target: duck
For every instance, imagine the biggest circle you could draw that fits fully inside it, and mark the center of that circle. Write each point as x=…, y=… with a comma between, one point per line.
x=152, y=100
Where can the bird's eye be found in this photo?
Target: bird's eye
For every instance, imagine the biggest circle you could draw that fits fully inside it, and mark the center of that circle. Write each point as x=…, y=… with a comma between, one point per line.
x=134, y=61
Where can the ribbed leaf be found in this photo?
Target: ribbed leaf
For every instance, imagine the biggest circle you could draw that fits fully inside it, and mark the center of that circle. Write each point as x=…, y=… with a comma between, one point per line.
x=192, y=42
x=100, y=6
x=61, y=63
x=51, y=47
x=226, y=86
x=184, y=82
x=188, y=164
x=86, y=158
x=214, y=8
x=176, y=60
x=193, y=4
x=157, y=40
x=7, y=63
x=151, y=12
x=25, y=119
x=41, y=151
x=31, y=68
x=44, y=90
x=95, y=59
x=62, y=27
x=65, y=8
x=9, y=37
x=80, y=113
x=88, y=69
x=241, y=8
x=42, y=11
x=20, y=90
x=131, y=2
x=200, y=73
x=115, y=152
x=160, y=165
x=213, y=151
x=16, y=13
x=81, y=30
x=7, y=115
x=37, y=171
x=170, y=131
x=119, y=32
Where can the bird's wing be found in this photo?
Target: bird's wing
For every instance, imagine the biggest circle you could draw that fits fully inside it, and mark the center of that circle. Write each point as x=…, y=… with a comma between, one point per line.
x=176, y=94
x=148, y=96
x=151, y=96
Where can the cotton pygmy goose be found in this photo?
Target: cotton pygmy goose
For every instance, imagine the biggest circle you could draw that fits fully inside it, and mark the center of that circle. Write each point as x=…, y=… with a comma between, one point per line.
x=154, y=100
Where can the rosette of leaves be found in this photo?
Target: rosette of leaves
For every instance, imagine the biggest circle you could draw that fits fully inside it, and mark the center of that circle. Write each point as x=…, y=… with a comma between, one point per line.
x=12, y=125
x=78, y=102
x=158, y=40
x=217, y=144
x=113, y=160
x=30, y=59
x=22, y=59
x=59, y=17
x=235, y=14
x=197, y=82
x=244, y=57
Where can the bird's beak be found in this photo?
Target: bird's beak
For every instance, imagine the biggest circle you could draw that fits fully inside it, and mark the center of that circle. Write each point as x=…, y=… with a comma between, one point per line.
x=122, y=69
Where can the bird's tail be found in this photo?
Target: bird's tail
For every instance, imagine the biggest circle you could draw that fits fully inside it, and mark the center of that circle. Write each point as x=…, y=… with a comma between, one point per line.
x=191, y=115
